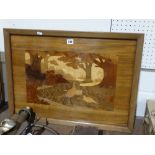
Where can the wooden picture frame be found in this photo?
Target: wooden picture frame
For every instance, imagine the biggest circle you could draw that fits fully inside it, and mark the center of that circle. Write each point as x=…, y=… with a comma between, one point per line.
x=138, y=43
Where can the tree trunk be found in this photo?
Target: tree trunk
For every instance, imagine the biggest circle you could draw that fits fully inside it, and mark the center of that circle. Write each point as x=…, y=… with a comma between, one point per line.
x=88, y=73
x=109, y=80
x=36, y=64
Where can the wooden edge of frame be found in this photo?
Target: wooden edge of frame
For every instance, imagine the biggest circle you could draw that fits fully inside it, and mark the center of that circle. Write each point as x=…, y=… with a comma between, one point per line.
x=135, y=83
x=108, y=35
x=99, y=126
x=9, y=75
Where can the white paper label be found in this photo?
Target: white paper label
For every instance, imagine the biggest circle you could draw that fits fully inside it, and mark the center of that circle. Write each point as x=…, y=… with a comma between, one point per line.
x=70, y=41
x=39, y=33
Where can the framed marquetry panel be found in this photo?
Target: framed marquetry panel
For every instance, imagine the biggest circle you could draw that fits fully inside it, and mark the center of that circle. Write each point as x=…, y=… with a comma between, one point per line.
x=75, y=77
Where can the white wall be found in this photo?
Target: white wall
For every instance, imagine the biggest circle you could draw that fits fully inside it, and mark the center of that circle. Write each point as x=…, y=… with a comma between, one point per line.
x=147, y=79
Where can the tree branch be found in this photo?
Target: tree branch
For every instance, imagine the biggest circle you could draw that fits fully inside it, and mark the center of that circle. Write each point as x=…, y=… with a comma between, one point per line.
x=82, y=66
x=101, y=59
x=97, y=62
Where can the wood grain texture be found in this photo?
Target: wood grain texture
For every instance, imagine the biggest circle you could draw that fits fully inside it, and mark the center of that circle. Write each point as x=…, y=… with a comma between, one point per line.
x=134, y=91
x=125, y=47
x=9, y=75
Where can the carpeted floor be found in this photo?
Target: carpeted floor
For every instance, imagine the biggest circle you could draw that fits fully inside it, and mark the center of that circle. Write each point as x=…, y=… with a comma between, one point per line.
x=67, y=130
